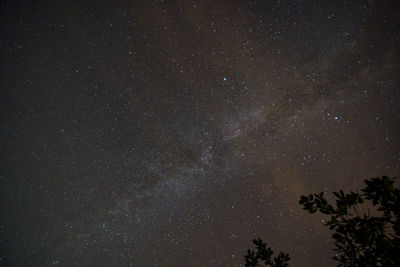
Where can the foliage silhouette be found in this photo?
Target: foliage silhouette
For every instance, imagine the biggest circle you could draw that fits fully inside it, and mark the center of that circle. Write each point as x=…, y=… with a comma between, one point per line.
x=360, y=239
x=264, y=255
x=363, y=239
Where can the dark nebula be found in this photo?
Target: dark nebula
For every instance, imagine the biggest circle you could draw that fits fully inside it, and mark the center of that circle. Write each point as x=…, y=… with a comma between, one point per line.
x=172, y=133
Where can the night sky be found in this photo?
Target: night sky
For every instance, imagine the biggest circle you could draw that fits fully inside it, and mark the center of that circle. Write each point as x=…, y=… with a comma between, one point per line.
x=172, y=133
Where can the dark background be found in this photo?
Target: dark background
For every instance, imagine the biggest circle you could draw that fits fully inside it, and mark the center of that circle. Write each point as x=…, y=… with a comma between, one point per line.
x=172, y=133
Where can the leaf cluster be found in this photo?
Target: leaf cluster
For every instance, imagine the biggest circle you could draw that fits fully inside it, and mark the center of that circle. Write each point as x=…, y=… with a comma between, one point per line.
x=363, y=240
x=263, y=254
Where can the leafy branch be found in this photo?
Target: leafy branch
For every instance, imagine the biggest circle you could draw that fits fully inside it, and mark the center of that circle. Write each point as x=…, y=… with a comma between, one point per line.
x=362, y=240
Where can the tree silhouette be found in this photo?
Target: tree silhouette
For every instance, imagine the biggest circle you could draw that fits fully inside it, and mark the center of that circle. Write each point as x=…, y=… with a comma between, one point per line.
x=360, y=239
x=363, y=239
x=264, y=255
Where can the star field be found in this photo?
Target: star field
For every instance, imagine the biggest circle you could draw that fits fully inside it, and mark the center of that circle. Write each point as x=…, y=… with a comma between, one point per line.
x=172, y=133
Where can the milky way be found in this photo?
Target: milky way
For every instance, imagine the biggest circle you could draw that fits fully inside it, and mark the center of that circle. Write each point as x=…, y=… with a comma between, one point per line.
x=172, y=133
